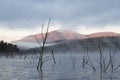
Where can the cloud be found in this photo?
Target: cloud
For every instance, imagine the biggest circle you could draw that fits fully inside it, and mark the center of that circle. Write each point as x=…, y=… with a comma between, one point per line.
x=108, y=28
x=19, y=18
x=69, y=13
x=11, y=34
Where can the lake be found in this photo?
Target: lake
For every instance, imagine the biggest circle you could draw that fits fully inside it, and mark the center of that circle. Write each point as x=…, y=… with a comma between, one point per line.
x=68, y=67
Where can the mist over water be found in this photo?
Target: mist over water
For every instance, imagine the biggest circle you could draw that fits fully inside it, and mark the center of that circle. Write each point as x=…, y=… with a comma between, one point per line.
x=68, y=67
x=27, y=45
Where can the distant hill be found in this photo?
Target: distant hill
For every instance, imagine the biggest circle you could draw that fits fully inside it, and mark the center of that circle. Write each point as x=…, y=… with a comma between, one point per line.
x=102, y=34
x=57, y=36
x=89, y=44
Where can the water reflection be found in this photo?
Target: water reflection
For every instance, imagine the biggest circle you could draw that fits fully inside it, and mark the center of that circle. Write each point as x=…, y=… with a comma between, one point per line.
x=40, y=74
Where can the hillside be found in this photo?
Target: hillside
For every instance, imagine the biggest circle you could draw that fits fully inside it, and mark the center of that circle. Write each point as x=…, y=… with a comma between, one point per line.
x=58, y=36
x=102, y=34
x=90, y=44
x=55, y=35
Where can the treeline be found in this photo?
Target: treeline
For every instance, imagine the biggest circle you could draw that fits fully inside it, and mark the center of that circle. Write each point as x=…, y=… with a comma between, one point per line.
x=7, y=47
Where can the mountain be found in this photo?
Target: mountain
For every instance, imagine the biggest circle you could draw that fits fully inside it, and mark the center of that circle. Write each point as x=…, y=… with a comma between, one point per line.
x=56, y=35
x=102, y=34
x=84, y=45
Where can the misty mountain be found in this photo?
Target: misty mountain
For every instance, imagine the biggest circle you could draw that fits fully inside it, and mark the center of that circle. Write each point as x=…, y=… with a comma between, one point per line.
x=82, y=45
x=58, y=36
x=55, y=35
x=102, y=34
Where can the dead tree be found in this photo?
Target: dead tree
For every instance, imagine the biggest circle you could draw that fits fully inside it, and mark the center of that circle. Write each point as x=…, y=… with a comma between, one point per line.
x=87, y=61
x=42, y=45
x=53, y=57
x=41, y=59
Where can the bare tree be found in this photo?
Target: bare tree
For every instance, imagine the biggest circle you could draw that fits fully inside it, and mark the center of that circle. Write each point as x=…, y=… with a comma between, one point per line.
x=45, y=35
x=101, y=56
x=42, y=45
x=87, y=61
x=53, y=57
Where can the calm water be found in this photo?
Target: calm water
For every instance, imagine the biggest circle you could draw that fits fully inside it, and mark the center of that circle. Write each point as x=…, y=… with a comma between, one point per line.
x=67, y=67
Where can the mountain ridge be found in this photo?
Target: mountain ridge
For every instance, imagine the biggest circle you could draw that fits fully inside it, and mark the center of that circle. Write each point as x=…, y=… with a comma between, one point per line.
x=59, y=35
x=55, y=35
x=102, y=34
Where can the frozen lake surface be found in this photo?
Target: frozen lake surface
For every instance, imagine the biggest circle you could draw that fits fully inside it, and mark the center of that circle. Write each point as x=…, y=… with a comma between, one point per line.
x=67, y=67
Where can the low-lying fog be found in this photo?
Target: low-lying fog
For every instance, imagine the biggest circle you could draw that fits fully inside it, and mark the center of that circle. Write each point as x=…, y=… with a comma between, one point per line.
x=69, y=66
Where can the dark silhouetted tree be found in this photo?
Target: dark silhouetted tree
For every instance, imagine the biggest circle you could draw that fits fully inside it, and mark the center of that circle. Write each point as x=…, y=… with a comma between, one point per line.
x=7, y=47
